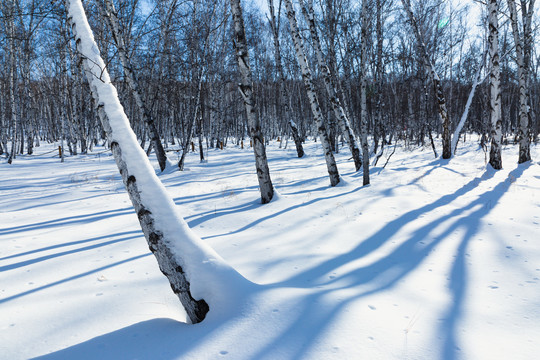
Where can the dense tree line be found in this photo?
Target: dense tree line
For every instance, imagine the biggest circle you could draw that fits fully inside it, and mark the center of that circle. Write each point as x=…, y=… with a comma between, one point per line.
x=381, y=71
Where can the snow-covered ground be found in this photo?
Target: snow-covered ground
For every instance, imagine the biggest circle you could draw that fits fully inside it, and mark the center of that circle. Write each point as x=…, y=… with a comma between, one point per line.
x=434, y=260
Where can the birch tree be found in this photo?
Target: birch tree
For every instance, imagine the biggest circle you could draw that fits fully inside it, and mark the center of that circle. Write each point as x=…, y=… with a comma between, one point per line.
x=246, y=90
x=188, y=263
x=378, y=131
x=523, y=44
x=339, y=111
x=312, y=95
x=9, y=14
x=494, y=85
x=363, y=85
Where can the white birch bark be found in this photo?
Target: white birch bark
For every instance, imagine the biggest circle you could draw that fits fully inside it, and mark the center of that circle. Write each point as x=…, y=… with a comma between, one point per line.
x=363, y=100
x=378, y=130
x=465, y=114
x=312, y=96
x=339, y=112
x=195, y=272
x=11, y=81
x=246, y=90
x=523, y=128
x=495, y=159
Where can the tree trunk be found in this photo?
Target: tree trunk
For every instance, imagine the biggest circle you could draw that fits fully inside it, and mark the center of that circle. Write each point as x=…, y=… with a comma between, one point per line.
x=363, y=85
x=181, y=256
x=246, y=90
x=523, y=128
x=312, y=96
x=11, y=85
x=339, y=111
x=494, y=82
x=459, y=127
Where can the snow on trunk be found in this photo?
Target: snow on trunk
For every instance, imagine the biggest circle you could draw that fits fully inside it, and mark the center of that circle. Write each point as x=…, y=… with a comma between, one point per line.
x=312, y=96
x=198, y=275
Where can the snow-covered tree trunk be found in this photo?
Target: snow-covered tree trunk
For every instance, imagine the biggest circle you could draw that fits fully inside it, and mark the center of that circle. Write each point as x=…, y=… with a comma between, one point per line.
x=133, y=84
x=282, y=83
x=339, y=111
x=523, y=128
x=312, y=96
x=363, y=85
x=246, y=90
x=494, y=85
x=430, y=68
x=196, y=273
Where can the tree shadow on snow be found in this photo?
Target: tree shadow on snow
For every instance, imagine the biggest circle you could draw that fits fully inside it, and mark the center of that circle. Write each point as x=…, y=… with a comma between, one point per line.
x=388, y=271
x=151, y=339
x=127, y=235
x=67, y=220
x=169, y=339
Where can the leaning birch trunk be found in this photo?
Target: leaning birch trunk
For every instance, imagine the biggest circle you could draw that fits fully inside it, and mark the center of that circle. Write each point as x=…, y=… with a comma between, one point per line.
x=495, y=159
x=459, y=127
x=363, y=85
x=194, y=270
x=312, y=96
x=133, y=84
x=430, y=68
x=246, y=90
x=339, y=111
x=523, y=129
x=285, y=99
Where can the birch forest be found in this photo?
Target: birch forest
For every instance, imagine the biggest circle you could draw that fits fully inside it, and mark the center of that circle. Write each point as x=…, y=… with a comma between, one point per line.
x=363, y=73
x=315, y=179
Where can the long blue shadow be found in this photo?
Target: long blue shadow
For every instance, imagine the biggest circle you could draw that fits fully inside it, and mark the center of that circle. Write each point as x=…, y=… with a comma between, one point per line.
x=151, y=339
x=71, y=243
x=12, y=297
x=284, y=211
x=388, y=271
x=69, y=220
x=63, y=253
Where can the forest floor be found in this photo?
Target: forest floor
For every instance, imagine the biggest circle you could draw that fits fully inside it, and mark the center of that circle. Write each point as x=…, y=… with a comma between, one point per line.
x=435, y=259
